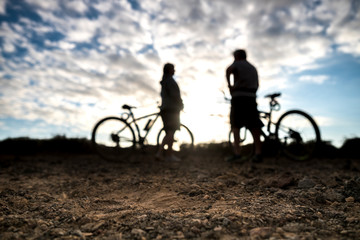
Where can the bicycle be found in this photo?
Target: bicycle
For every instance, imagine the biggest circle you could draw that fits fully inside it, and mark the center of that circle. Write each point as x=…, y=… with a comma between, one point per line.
x=114, y=137
x=296, y=133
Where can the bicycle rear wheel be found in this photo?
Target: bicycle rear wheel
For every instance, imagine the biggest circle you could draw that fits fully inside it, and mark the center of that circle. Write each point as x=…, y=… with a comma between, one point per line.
x=113, y=138
x=246, y=142
x=183, y=139
x=298, y=135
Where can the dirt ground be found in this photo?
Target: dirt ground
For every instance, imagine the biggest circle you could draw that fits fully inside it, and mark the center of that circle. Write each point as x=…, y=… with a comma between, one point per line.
x=63, y=196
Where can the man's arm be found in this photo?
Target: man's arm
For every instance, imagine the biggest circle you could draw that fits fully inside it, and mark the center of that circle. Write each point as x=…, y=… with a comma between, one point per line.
x=229, y=71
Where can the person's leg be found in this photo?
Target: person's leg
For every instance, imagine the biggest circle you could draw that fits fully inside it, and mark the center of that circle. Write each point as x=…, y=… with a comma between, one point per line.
x=236, y=134
x=236, y=146
x=234, y=121
x=256, y=133
x=255, y=126
x=175, y=125
x=167, y=140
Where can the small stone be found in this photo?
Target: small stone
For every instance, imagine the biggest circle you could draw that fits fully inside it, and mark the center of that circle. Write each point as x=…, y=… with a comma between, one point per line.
x=195, y=192
x=196, y=222
x=137, y=231
x=333, y=196
x=217, y=228
x=195, y=230
x=320, y=199
x=350, y=199
x=352, y=219
x=282, y=181
x=226, y=221
x=206, y=197
x=58, y=232
x=306, y=183
x=92, y=227
x=117, y=236
x=180, y=235
x=79, y=234
x=142, y=217
x=262, y=232
x=289, y=235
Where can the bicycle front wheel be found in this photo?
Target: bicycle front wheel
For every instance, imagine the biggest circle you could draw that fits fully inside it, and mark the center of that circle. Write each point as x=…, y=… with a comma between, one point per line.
x=183, y=139
x=298, y=135
x=113, y=138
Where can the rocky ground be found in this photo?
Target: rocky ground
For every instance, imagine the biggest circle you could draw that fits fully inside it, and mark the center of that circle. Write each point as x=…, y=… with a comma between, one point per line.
x=75, y=196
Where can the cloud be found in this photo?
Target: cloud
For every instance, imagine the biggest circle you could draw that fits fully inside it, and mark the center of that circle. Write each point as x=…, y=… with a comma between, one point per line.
x=320, y=79
x=2, y=7
x=78, y=58
x=341, y=20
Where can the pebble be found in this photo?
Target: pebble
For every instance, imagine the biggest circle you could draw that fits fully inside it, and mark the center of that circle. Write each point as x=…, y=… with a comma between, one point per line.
x=206, y=197
x=352, y=219
x=78, y=233
x=333, y=196
x=92, y=227
x=180, y=235
x=137, y=231
x=196, y=222
x=262, y=232
x=217, y=228
x=58, y=232
x=306, y=183
x=226, y=221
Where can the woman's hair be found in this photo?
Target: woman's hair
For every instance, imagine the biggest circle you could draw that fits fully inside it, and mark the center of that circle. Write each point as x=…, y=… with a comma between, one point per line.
x=168, y=67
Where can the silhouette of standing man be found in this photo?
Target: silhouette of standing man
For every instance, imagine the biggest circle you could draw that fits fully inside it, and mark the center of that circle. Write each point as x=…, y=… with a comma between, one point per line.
x=244, y=111
x=171, y=105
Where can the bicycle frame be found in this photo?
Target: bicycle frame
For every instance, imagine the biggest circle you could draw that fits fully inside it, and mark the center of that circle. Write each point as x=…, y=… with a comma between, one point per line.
x=141, y=139
x=274, y=106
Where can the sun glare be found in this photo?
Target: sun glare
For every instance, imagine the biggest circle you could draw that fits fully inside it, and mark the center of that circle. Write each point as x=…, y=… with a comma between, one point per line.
x=207, y=118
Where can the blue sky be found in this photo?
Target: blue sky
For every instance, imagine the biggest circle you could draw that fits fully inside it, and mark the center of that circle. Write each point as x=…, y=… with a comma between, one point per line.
x=66, y=64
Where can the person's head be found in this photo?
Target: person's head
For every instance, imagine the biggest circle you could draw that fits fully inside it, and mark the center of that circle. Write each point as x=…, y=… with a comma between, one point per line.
x=240, y=54
x=169, y=69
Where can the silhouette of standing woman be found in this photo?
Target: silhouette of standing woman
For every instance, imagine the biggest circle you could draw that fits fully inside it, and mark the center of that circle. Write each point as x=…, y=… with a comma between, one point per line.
x=171, y=105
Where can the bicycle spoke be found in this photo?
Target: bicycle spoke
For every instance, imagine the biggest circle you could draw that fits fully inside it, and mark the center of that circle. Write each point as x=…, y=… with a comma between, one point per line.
x=183, y=139
x=110, y=142
x=298, y=135
x=121, y=130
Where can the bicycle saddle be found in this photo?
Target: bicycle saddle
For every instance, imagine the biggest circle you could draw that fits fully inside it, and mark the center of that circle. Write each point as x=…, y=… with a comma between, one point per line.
x=125, y=106
x=274, y=95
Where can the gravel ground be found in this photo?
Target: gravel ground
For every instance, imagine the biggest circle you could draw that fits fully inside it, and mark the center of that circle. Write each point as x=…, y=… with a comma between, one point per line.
x=74, y=196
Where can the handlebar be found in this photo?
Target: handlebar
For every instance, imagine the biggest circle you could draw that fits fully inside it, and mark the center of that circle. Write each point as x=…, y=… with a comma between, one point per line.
x=273, y=96
x=127, y=107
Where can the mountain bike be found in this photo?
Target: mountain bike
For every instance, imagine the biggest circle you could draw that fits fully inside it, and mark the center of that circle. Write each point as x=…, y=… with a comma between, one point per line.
x=295, y=134
x=114, y=137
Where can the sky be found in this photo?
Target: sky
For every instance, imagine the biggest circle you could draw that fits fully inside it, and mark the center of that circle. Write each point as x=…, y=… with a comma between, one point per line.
x=65, y=64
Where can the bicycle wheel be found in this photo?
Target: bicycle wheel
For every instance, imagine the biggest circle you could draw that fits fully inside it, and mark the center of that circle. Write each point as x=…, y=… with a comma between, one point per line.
x=183, y=139
x=246, y=142
x=113, y=138
x=298, y=135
